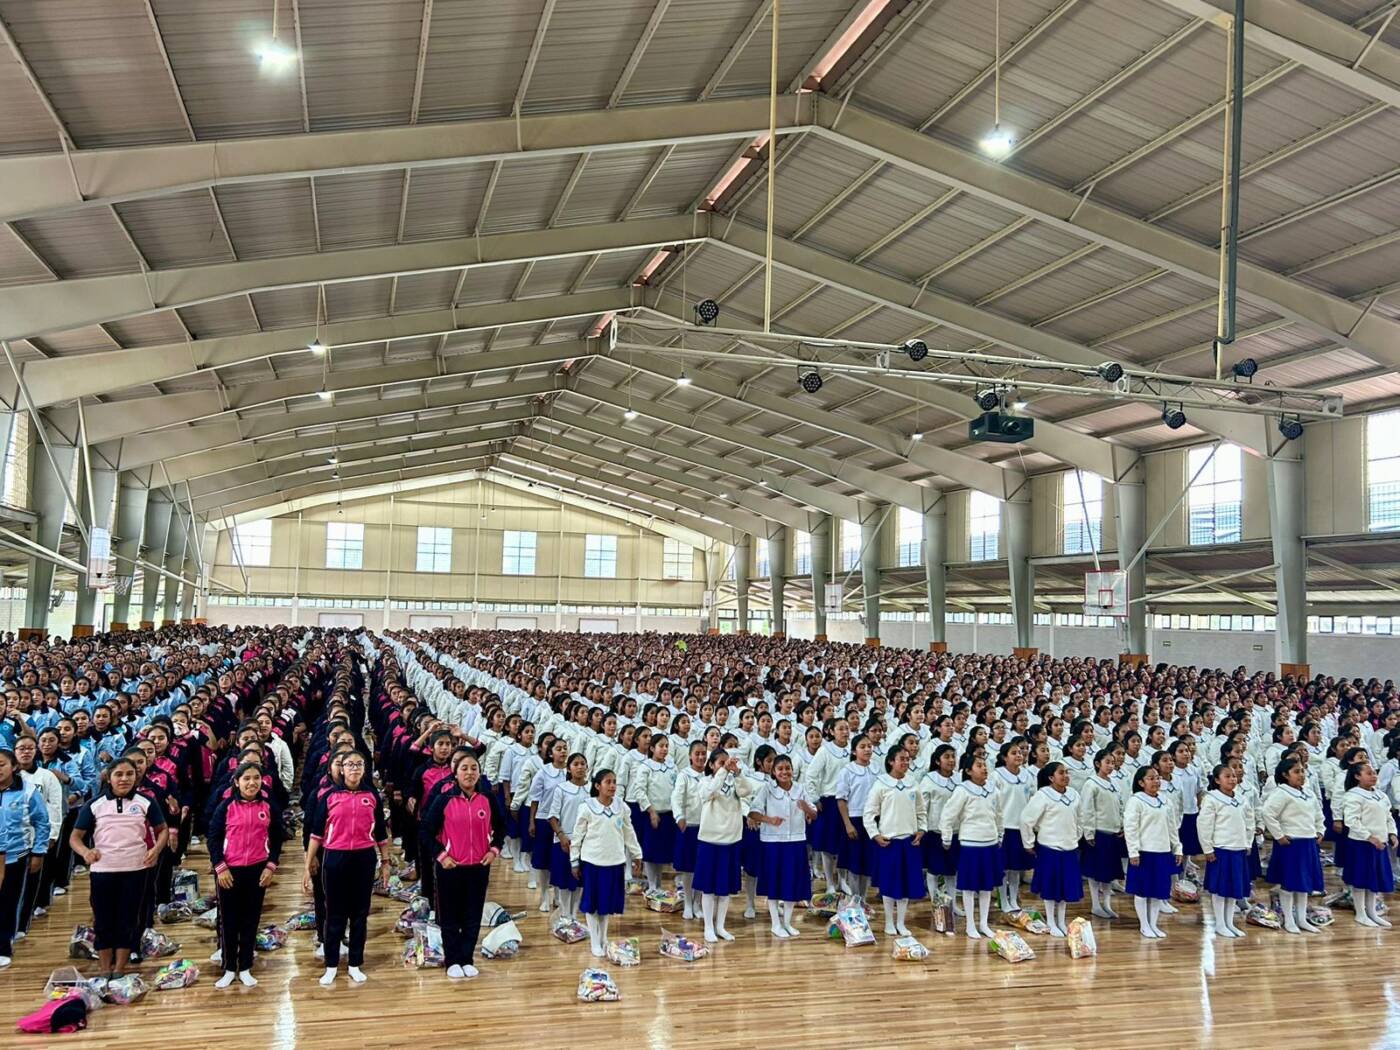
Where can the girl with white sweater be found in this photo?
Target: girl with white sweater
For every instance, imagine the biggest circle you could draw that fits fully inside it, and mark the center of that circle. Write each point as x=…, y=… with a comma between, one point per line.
x=1050, y=833
x=653, y=783
x=1371, y=835
x=1293, y=818
x=1154, y=849
x=781, y=810
x=972, y=816
x=1014, y=786
x=722, y=795
x=937, y=787
x=1101, y=818
x=1226, y=829
x=602, y=843
x=819, y=781
x=686, y=805
x=895, y=821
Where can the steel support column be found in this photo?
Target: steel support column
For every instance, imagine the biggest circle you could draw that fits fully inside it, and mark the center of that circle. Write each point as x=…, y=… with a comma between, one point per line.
x=821, y=572
x=872, y=517
x=743, y=559
x=936, y=574
x=50, y=504
x=777, y=578
x=104, y=487
x=1131, y=499
x=1016, y=528
x=1287, y=521
x=157, y=536
x=131, y=517
x=174, y=563
x=714, y=567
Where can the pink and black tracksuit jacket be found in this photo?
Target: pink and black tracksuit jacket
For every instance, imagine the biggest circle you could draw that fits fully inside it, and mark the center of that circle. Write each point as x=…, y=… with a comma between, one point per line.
x=465, y=827
x=245, y=833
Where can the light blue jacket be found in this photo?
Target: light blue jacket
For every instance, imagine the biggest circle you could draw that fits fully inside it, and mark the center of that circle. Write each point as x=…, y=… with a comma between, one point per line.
x=24, y=821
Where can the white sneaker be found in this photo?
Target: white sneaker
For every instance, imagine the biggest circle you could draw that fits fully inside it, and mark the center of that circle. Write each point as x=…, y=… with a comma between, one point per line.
x=1168, y=909
x=328, y=978
x=226, y=979
x=780, y=933
x=357, y=975
x=246, y=978
x=40, y=910
x=791, y=930
x=59, y=891
x=19, y=935
x=218, y=955
x=470, y=971
x=320, y=950
x=455, y=972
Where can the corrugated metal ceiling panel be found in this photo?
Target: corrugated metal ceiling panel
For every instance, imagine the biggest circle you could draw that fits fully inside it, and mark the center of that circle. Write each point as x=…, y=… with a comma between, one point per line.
x=181, y=230
x=361, y=58
x=17, y=263
x=269, y=218
x=526, y=193
x=286, y=307
x=425, y=291
x=359, y=210
x=476, y=55
x=86, y=243
x=347, y=300
x=231, y=316
x=585, y=48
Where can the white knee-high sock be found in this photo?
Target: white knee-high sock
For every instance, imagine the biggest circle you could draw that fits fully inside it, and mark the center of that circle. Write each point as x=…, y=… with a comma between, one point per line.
x=888, y=902
x=1154, y=916
x=1060, y=908
x=901, y=910
x=1358, y=902
x=1290, y=911
x=970, y=910
x=1144, y=921
x=984, y=911
x=1300, y=913
x=862, y=887
x=931, y=882
x=953, y=892
x=775, y=913
x=750, y=896
x=721, y=910
x=1230, y=907
x=707, y=908
x=544, y=889
x=1093, y=896
x=788, y=908
x=829, y=872
x=1373, y=909
x=1217, y=909
x=603, y=930
x=653, y=873
x=594, y=938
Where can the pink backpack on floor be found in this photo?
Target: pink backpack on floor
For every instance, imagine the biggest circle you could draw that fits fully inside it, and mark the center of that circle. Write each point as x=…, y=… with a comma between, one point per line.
x=68, y=1014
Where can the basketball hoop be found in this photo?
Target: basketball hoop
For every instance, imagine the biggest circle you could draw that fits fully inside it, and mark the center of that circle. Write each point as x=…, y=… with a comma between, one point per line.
x=1106, y=593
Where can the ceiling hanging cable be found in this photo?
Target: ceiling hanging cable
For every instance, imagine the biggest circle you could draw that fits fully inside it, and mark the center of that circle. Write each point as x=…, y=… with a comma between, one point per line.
x=997, y=142
x=772, y=174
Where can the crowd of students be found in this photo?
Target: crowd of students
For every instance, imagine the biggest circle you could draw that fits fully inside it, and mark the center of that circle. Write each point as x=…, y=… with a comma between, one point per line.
x=742, y=766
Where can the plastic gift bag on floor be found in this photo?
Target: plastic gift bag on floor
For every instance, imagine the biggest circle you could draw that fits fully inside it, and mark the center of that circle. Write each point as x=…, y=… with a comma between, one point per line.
x=1186, y=891
x=418, y=910
x=1340, y=901
x=125, y=990
x=493, y=914
x=83, y=943
x=305, y=920
x=944, y=918
x=502, y=942
x=1320, y=915
x=569, y=931
x=596, y=986
x=184, y=886
x=1011, y=946
x=66, y=980
x=625, y=952
x=424, y=948
x=665, y=901
x=68, y=1013
x=156, y=945
x=270, y=938
x=854, y=926
x=175, y=975
x=207, y=920
x=1081, y=939
x=174, y=912
x=908, y=949
x=679, y=946
x=1028, y=921
x=825, y=904
x=1258, y=915
x=200, y=905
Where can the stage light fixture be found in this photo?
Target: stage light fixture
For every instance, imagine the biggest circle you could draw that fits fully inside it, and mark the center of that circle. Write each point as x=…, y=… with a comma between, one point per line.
x=917, y=349
x=1174, y=418
x=707, y=311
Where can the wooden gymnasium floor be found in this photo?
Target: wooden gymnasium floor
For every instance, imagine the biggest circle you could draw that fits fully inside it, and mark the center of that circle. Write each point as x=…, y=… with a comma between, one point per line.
x=1341, y=987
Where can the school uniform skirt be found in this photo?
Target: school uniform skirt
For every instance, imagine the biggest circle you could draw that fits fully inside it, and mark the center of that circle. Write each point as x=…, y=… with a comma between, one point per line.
x=1228, y=875
x=640, y=820
x=1256, y=862
x=512, y=815
x=685, y=844
x=1058, y=875
x=561, y=874
x=1329, y=829
x=604, y=888
x=1103, y=858
x=658, y=843
x=979, y=867
x=1297, y=866
x=1152, y=876
x=899, y=869
x=751, y=852
x=828, y=830
x=938, y=858
x=783, y=873
x=1013, y=852
x=1368, y=867
x=858, y=855
x=1190, y=840
x=542, y=849
x=522, y=831
x=716, y=868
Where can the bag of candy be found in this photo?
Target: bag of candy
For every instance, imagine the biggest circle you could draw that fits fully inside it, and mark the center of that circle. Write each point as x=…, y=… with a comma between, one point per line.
x=1258, y=915
x=124, y=990
x=156, y=945
x=626, y=952
x=568, y=931
x=178, y=974
x=304, y=920
x=665, y=901
x=1320, y=915
x=678, y=946
x=944, y=917
x=270, y=938
x=908, y=949
x=184, y=886
x=502, y=942
x=200, y=905
x=1081, y=939
x=174, y=912
x=1340, y=901
x=83, y=943
x=1028, y=921
x=596, y=986
x=418, y=910
x=825, y=904
x=425, y=947
x=854, y=926
x=208, y=920
x=1011, y=946
x=1186, y=891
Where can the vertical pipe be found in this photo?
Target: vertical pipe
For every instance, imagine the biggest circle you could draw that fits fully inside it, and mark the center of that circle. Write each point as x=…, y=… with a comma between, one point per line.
x=1230, y=233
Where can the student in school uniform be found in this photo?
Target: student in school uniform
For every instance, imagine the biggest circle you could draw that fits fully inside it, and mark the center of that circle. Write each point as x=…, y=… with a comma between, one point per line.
x=819, y=780
x=602, y=843
x=717, y=861
x=895, y=821
x=1226, y=829
x=561, y=814
x=653, y=783
x=1292, y=816
x=686, y=807
x=855, y=864
x=973, y=818
x=468, y=829
x=1050, y=834
x=1014, y=788
x=347, y=833
x=1372, y=835
x=545, y=782
x=750, y=843
x=782, y=811
x=1101, y=817
x=1079, y=766
x=245, y=842
x=1154, y=849
x=940, y=857
x=36, y=899
x=118, y=835
x=24, y=839
x=1186, y=777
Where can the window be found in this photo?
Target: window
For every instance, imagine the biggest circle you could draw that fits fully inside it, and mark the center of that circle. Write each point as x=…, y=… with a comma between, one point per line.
x=762, y=569
x=345, y=545
x=434, y=549
x=850, y=545
x=600, y=557
x=1214, y=500
x=252, y=543
x=518, y=553
x=911, y=536
x=17, y=461
x=1082, y=500
x=802, y=553
x=677, y=560
x=983, y=527
x=731, y=564
x=1382, y=471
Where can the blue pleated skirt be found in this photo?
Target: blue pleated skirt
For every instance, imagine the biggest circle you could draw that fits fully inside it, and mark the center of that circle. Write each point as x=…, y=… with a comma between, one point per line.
x=640, y=820
x=1103, y=858
x=979, y=867
x=658, y=843
x=716, y=868
x=1058, y=876
x=938, y=858
x=542, y=849
x=1296, y=867
x=1256, y=863
x=899, y=869
x=686, y=841
x=561, y=875
x=1190, y=841
x=1368, y=868
x=750, y=852
x=512, y=821
x=1013, y=852
x=1329, y=830
x=522, y=831
x=857, y=855
x=1228, y=875
x=604, y=889
x=828, y=830
x=1152, y=876
x=784, y=874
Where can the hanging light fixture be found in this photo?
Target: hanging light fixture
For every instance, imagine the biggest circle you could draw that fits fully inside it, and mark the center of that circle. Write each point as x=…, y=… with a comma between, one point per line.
x=316, y=346
x=682, y=379
x=998, y=142
x=273, y=55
